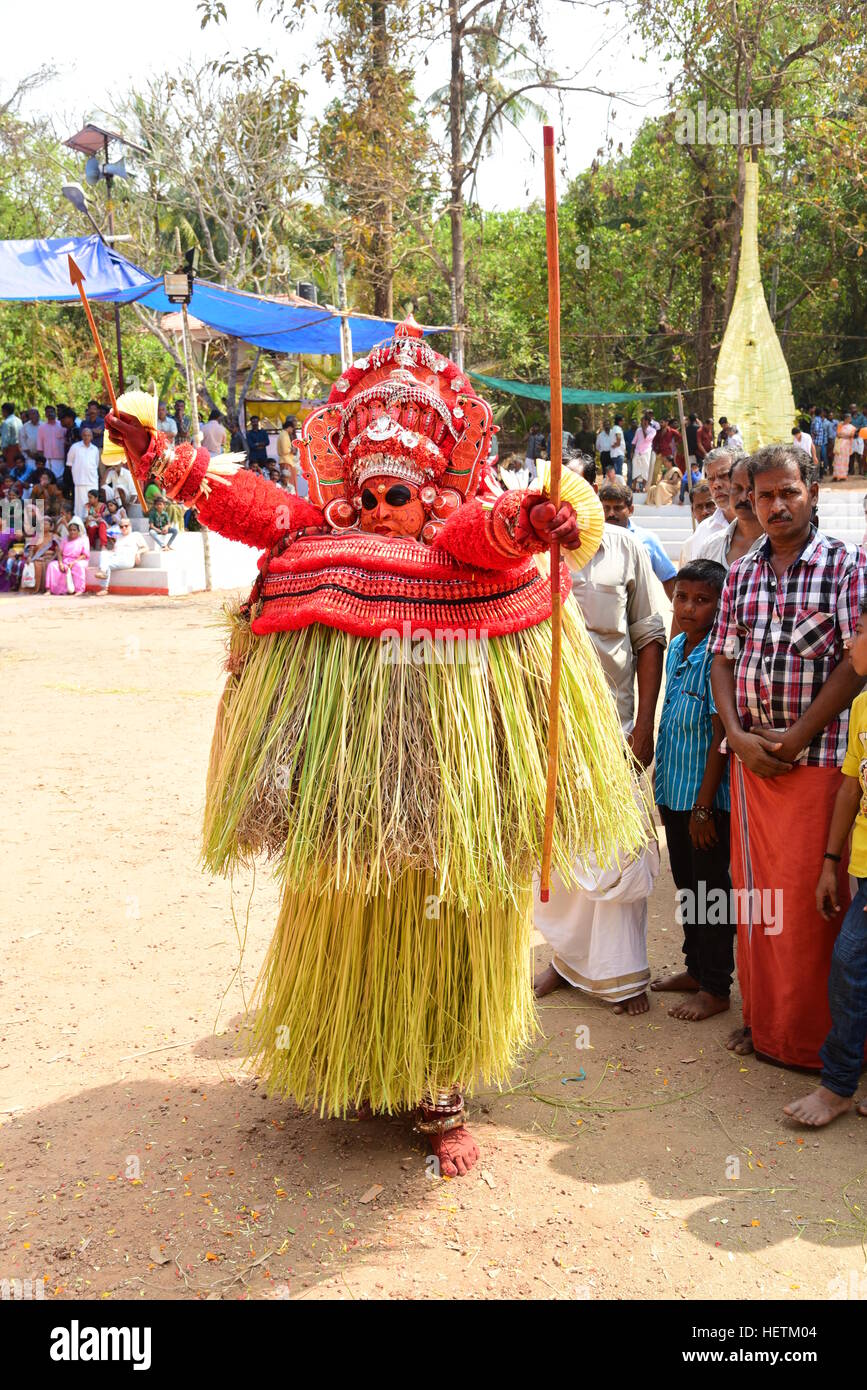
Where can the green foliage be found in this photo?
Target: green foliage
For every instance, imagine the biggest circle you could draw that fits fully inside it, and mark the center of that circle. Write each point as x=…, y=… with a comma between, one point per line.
x=648, y=236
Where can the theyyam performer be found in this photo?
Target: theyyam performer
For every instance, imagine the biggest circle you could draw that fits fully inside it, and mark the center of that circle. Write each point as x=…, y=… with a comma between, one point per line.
x=382, y=738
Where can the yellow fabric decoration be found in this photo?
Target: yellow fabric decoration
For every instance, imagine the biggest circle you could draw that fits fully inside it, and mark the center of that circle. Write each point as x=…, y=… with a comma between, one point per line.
x=752, y=387
x=588, y=510
x=141, y=404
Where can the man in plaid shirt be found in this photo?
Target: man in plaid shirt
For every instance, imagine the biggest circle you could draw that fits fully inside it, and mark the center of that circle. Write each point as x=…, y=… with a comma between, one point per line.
x=783, y=686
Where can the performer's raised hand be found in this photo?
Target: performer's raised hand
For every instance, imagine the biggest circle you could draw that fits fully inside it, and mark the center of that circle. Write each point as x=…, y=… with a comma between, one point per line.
x=540, y=520
x=129, y=433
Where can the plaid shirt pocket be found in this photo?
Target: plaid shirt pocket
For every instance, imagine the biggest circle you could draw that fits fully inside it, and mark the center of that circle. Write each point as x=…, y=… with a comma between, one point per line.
x=814, y=634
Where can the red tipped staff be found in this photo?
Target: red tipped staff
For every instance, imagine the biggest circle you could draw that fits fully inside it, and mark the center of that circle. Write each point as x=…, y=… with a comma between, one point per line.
x=553, y=246
x=77, y=278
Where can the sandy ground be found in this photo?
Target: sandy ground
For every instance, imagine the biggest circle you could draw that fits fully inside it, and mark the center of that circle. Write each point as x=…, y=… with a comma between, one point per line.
x=139, y=1159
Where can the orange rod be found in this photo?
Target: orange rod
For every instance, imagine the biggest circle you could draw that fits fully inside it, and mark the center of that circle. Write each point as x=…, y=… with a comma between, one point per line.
x=553, y=248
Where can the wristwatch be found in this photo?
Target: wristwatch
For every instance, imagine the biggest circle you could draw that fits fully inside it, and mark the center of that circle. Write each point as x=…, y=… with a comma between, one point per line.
x=702, y=813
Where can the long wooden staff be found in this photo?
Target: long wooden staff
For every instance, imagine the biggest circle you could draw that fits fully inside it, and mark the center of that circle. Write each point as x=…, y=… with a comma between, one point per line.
x=77, y=278
x=553, y=245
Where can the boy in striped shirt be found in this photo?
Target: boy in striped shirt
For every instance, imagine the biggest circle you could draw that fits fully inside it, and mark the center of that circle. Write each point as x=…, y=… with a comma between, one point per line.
x=692, y=793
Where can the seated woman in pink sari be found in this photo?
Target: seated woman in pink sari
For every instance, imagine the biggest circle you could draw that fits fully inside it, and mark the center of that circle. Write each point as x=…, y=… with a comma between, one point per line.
x=843, y=448
x=75, y=553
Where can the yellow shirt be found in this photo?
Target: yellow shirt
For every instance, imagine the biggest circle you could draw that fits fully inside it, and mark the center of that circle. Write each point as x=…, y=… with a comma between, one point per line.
x=286, y=456
x=855, y=765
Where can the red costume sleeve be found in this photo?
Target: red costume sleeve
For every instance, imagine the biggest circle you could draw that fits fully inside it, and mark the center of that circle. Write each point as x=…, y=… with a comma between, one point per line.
x=251, y=509
x=245, y=507
x=483, y=535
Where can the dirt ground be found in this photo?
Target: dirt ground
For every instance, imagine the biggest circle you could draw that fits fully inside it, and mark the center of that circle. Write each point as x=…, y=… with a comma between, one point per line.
x=138, y=1157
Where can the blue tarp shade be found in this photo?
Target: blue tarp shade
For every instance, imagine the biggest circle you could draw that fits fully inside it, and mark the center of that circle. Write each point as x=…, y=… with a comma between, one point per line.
x=32, y=270
x=38, y=270
x=274, y=327
x=571, y=394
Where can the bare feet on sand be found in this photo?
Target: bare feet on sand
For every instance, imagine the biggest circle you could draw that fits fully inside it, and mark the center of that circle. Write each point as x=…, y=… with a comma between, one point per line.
x=638, y=1004
x=819, y=1108
x=456, y=1150
x=547, y=981
x=683, y=983
x=740, y=1041
x=702, y=1006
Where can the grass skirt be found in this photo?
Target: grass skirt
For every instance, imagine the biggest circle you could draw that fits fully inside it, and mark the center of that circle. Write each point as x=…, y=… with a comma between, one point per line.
x=402, y=802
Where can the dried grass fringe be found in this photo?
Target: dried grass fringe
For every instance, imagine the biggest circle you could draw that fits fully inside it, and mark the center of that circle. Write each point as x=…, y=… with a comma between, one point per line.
x=387, y=999
x=347, y=770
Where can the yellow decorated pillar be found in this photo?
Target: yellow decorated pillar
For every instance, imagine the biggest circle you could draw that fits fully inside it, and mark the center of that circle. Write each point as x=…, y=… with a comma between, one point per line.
x=752, y=387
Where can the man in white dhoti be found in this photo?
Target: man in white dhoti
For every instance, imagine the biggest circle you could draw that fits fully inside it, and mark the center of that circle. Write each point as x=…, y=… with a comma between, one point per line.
x=599, y=930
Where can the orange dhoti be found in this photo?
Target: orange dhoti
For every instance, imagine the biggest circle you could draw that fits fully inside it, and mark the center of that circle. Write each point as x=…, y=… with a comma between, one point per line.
x=779, y=833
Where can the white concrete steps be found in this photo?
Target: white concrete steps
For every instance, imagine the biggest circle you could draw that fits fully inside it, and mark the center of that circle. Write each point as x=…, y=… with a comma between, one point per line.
x=182, y=569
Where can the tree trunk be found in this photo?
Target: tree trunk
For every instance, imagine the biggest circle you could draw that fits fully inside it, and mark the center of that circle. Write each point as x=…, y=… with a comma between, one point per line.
x=382, y=238
x=456, y=172
x=232, y=380
x=248, y=380
x=707, y=299
x=735, y=224
x=778, y=238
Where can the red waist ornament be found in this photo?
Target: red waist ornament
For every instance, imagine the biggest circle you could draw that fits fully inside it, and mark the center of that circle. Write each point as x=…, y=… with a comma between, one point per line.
x=368, y=586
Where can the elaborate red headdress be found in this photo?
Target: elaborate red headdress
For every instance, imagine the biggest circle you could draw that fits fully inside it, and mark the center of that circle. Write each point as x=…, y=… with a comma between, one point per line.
x=404, y=411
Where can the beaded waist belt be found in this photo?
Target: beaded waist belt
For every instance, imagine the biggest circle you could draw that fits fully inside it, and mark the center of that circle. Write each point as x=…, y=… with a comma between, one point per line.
x=371, y=587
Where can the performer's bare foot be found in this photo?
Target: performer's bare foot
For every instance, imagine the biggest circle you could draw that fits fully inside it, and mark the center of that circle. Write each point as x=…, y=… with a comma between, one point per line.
x=740, y=1041
x=547, y=981
x=638, y=1004
x=819, y=1108
x=861, y=1107
x=456, y=1150
x=682, y=983
x=703, y=1006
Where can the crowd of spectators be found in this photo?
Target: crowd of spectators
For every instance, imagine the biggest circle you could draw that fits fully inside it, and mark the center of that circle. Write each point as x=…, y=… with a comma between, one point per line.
x=649, y=454
x=752, y=729
x=89, y=507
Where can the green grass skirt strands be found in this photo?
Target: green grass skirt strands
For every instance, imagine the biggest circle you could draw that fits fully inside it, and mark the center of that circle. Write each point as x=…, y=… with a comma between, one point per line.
x=348, y=769
x=381, y=999
x=402, y=802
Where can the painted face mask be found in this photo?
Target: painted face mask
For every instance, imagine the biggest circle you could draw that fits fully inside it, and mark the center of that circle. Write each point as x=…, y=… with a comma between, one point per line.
x=390, y=507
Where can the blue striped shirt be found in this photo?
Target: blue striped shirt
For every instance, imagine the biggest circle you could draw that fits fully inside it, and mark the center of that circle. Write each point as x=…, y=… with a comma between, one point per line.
x=686, y=729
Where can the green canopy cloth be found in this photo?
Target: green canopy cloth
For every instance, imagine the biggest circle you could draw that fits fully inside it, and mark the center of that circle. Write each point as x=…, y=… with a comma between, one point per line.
x=571, y=394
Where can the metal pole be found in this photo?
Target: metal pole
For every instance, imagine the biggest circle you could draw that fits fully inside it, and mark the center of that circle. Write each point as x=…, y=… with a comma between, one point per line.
x=109, y=208
x=342, y=304
x=194, y=431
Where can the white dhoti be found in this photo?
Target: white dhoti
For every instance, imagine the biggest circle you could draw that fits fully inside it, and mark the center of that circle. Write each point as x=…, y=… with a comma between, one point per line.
x=599, y=929
x=641, y=465
x=81, y=491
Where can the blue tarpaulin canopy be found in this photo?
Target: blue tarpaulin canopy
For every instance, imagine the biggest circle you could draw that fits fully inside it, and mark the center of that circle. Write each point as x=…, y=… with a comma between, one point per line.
x=39, y=270
x=265, y=323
